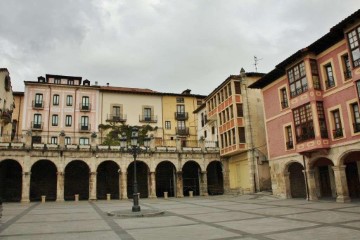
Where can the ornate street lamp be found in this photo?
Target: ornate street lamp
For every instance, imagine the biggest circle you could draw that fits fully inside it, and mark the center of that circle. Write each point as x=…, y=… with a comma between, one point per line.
x=134, y=150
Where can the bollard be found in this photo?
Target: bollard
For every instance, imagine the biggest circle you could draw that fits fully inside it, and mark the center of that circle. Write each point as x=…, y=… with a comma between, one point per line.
x=43, y=198
x=165, y=195
x=191, y=194
x=108, y=196
x=76, y=197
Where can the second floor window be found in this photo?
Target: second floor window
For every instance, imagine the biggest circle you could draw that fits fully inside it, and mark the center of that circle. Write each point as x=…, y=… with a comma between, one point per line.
x=38, y=100
x=330, y=81
x=68, y=121
x=355, y=117
x=53, y=140
x=84, y=121
x=56, y=99
x=55, y=120
x=85, y=103
x=67, y=140
x=69, y=100
x=304, y=126
x=167, y=125
x=337, y=131
x=297, y=80
x=353, y=38
x=284, y=98
x=346, y=66
x=289, y=138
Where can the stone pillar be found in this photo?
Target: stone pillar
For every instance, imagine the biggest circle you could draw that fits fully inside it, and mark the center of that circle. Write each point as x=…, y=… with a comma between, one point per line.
x=203, y=184
x=152, y=185
x=123, y=185
x=310, y=174
x=226, y=175
x=341, y=184
x=62, y=140
x=25, y=198
x=60, y=187
x=179, y=185
x=332, y=181
x=287, y=185
x=92, y=186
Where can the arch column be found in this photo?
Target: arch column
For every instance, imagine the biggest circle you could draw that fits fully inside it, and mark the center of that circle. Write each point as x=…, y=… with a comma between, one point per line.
x=310, y=179
x=60, y=187
x=226, y=176
x=123, y=185
x=179, y=185
x=287, y=185
x=25, y=192
x=92, y=186
x=203, y=184
x=152, y=185
x=341, y=184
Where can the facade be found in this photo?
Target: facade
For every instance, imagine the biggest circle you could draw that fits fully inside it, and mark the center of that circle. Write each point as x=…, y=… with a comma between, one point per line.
x=311, y=103
x=6, y=106
x=18, y=116
x=236, y=112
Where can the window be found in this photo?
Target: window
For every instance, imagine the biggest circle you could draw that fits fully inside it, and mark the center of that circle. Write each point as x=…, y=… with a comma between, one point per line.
x=85, y=103
x=346, y=66
x=38, y=100
x=205, y=134
x=57, y=81
x=67, y=140
x=337, y=132
x=237, y=87
x=68, y=121
x=53, y=140
x=167, y=125
x=37, y=121
x=353, y=38
x=330, y=81
x=212, y=130
x=322, y=122
x=233, y=135
x=284, y=98
x=70, y=82
x=84, y=141
x=84, y=124
x=147, y=114
x=297, y=80
x=289, y=138
x=315, y=74
x=304, y=126
x=56, y=99
x=181, y=124
x=180, y=100
x=239, y=108
x=55, y=120
x=358, y=88
x=116, y=110
x=356, y=117
x=202, y=120
x=242, y=138
x=69, y=100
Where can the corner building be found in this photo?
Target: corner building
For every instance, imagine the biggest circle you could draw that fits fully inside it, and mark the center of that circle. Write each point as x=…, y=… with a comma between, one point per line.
x=311, y=103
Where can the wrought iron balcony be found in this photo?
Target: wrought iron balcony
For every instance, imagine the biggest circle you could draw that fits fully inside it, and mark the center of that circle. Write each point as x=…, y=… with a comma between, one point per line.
x=147, y=118
x=338, y=133
x=182, y=131
x=84, y=128
x=37, y=126
x=116, y=118
x=85, y=107
x=181, y=116
x=38, y=104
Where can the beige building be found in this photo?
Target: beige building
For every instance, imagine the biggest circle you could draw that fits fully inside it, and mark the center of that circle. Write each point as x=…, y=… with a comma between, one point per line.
x=6, y=105
x=18, y=115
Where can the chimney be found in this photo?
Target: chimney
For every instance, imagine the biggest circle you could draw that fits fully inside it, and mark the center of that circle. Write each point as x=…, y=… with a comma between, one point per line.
x=186, y=92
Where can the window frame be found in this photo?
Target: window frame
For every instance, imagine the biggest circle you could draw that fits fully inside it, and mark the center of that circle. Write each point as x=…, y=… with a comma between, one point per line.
x=55, y=120
x=68, y=118
x=303, y=123
x=297, y=79
x=354, y=45
x=69, y=100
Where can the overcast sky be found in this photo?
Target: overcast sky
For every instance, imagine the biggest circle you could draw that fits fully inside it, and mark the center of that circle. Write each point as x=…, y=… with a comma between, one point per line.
x=166, y=46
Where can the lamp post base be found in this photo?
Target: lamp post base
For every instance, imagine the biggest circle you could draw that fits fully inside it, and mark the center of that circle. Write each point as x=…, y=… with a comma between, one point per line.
x=136, y=206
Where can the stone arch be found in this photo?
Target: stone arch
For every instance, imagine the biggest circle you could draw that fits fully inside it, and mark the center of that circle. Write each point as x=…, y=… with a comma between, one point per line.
x=142, y=175
x=296, y=180
x=10, y=180
x=324, y=177
x=351, y=161
x=76, y=180
x=198, y=161
x=191, y=171
x=107, y=180
x=165, y=179
x=43, y=180
x=215, y=178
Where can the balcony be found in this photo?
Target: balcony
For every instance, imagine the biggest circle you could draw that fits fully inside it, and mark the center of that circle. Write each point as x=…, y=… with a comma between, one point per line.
x=148, y=119
x=338, y=133
x=181, y=116
x=38, y=104
x=289, y=145
x=37, y=126
x=85, y=107
x=116, y=118
x=330, y=82
x=84, y=128
x=347, y=74
x=356, y=127
x=182, y=131
x=6, y=116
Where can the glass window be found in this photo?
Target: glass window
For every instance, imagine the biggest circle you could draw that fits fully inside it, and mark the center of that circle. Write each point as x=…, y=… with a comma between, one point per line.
x=68, y=120
x=284, y=98
x=67, y=140
x=337, y=132
x=240, y=112
x=38, y=100
x=116, y=110
x=70, y=82
x=167, y=125
x=237, y=87
x=37, y=121
x=355, y=117
x=297, y=80
x=56, y=99
x=321, y=117
x=180, y=100
x=304, y=126
x=57, y=80
x=330, y=81
x=353, y=38
x=315, y=74
x=242, y=138
x=289, y=138
x=84, y=141
x=54, y=140
x=55, y=120
x=85, y=103
x=346, y=66
x=69, y=100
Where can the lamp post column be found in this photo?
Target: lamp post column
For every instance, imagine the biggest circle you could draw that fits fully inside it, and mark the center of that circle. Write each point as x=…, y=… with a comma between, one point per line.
x=136, y=206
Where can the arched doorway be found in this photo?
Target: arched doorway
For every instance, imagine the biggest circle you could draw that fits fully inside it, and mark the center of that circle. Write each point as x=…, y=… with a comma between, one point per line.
x=10, y=181
x=76, y=180
x=215, y=180
x=107, y=180
x=297, y=180
x=142, y=173
x=43, y=180
x=191, y=176
x=324, y=178
x=165, y=179
x=352, y=163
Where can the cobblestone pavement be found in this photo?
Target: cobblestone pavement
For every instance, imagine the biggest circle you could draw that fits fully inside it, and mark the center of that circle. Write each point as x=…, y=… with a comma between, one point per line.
x=222, y=217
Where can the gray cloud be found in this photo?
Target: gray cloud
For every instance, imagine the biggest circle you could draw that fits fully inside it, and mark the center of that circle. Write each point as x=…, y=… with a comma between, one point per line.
x=163, y=45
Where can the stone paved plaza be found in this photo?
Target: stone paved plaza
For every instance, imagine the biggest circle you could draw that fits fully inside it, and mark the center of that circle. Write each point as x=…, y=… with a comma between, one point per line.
x=222, y=217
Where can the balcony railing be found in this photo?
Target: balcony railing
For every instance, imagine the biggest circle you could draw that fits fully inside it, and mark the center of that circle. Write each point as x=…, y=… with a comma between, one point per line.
x=116, y=118
x=38, y=105
x=84, y=128
x=338, y=133
x=37, y=126
x=85, y=107
x=330, y=82
x=147, y=118
x=181, y=116
x=182, y=131
x=284, y=104
x=356, y=127
x=289, y=145
x=347, y=74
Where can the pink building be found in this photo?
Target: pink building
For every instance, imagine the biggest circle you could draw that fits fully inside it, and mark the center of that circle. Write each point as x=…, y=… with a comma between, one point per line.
x=311, y=102
x=57, y=105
